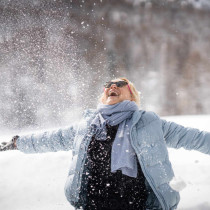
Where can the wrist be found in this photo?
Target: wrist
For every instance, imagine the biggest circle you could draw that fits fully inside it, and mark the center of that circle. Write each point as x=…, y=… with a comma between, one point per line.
x=14, y=140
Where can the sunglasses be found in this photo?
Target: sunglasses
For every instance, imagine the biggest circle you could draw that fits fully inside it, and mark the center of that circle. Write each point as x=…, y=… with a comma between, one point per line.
x=118, y=84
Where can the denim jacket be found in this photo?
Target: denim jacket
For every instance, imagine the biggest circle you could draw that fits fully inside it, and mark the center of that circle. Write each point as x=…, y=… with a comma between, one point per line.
x=150, y=137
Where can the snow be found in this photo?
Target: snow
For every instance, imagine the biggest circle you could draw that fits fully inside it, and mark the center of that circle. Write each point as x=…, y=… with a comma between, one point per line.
x=36, y=181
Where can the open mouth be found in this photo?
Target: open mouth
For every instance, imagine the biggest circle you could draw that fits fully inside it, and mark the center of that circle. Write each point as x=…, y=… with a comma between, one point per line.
x=112, y=94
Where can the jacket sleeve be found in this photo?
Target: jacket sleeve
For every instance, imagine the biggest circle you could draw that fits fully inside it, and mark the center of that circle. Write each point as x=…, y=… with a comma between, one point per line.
x=51, y=141
x=178, y=136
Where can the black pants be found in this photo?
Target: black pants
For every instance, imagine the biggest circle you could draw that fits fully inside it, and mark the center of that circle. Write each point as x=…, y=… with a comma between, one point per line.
x=114, y=204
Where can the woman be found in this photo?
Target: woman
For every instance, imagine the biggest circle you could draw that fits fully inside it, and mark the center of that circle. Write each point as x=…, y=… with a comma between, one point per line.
x=120, y=157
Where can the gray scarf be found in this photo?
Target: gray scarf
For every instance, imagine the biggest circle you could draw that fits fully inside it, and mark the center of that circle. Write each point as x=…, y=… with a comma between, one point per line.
x=123, y=156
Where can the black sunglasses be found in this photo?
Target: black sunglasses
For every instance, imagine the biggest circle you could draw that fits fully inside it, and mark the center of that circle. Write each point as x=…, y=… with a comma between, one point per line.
x=118, y=84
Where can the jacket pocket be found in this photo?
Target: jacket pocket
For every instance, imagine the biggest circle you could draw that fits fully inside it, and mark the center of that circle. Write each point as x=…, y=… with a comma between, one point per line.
x=161, y=173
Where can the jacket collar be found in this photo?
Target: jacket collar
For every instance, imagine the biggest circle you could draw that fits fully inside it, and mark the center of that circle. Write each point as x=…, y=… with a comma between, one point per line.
x=91, y=113
x=136, y=116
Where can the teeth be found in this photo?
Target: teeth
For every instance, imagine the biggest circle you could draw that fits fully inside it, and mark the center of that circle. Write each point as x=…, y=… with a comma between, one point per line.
x=113, y=94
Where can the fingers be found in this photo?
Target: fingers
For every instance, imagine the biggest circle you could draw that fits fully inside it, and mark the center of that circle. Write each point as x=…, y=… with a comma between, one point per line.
x=14, y=138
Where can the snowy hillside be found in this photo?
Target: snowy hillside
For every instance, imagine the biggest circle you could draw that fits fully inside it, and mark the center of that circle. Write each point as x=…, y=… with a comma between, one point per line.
x=29, y=182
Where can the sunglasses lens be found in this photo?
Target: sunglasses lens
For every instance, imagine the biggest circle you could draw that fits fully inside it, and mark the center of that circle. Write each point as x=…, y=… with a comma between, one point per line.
x=118, y=84
x=108, y=84
x=121, y=83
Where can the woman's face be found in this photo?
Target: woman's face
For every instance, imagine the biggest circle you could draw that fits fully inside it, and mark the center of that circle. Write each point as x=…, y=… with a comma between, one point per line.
x=114, y=94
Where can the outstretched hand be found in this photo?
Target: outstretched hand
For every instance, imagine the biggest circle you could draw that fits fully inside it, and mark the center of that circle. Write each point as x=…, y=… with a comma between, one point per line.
x=11, y=145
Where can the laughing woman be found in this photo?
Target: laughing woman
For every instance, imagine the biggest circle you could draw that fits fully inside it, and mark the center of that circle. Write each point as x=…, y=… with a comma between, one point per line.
x=120, y=157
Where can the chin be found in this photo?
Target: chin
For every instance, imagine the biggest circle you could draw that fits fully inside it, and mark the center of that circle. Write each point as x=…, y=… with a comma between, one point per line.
x=112, y=102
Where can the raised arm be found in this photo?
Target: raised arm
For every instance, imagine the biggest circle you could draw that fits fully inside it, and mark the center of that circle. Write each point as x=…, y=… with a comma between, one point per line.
x=53, y=141
x=178, y=136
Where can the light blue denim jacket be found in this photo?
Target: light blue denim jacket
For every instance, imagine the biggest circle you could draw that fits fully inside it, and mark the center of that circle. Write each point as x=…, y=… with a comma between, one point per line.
x=150, y=137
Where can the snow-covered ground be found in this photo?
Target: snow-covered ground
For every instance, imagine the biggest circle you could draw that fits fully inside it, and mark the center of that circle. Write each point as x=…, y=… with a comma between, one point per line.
x=36, y=181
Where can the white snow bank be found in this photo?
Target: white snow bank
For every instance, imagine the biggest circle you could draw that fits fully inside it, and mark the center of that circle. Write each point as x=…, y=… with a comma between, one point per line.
x=29, y=182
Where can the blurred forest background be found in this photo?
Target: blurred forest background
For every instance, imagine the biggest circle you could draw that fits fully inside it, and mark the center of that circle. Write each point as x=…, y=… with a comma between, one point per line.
x=55, y=56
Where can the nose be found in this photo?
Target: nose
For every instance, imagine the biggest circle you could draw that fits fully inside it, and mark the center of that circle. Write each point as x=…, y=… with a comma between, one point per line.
x=113, y=86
